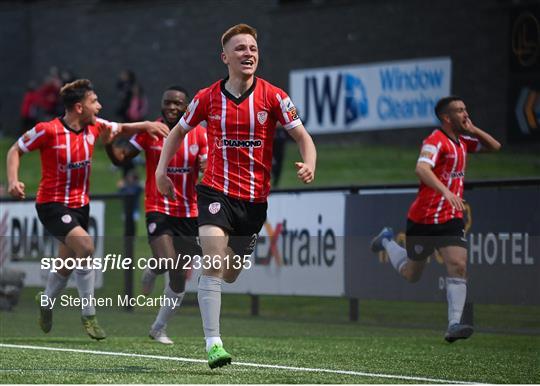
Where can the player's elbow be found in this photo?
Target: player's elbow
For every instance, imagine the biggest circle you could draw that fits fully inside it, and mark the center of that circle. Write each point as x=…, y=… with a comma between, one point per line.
x=13, y=152
x=419, y=170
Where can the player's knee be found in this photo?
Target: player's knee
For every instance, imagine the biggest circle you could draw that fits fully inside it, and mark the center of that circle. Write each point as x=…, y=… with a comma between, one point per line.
x=85, y=247
x=230, y=276
x=460, y=269
x=412, y=276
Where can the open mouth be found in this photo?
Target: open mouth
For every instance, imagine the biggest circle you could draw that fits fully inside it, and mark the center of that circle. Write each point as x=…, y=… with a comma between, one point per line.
x=247, y=62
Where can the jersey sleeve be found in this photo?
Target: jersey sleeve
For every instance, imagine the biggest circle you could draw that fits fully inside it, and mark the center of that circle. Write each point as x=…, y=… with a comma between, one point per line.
x=102, y=123
x=139, y=141
x=472, y=144
x=34, y=138
x=196, y=111
x=430, y=151
x=284, y=109
x=202, y=141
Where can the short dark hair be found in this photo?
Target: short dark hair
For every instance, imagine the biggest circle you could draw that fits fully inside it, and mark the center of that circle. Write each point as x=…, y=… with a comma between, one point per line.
x=75, y=92
x=442, y=105
x=178, y=88
x=237, y=30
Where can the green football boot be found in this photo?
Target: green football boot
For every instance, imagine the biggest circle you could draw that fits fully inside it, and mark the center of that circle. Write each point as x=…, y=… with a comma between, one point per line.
x=92, y=327
x=45, y=315
x=218, y=357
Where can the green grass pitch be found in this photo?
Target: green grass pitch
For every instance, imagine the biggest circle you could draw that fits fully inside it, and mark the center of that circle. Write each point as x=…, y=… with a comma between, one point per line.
x=294, y=340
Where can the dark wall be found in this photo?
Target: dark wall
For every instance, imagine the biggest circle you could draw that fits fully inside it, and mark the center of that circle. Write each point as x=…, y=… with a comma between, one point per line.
x=168, y=42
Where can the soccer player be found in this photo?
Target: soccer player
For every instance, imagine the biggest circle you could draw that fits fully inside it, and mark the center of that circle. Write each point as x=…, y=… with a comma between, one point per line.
x=435, y=218
x=241, y=112
x=66, y=145
x=171, y=223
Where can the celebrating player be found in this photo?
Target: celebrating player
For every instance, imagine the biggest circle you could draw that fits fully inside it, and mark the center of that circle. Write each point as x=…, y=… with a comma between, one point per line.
x=241, y=111
x=171, y=222
x=435, y=219
x=66, y=145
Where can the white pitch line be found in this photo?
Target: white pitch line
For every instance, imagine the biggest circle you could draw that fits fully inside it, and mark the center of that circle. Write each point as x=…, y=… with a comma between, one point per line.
x=191, y=360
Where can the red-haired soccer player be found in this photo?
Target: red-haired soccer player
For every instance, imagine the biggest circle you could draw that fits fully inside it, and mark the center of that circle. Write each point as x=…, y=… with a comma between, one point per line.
x=241, y=111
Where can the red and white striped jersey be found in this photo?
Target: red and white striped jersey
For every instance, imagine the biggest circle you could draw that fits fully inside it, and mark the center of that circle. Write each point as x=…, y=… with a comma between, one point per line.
x=447, y=159
x=66, y=159
x=183, y=170
x=240, y=136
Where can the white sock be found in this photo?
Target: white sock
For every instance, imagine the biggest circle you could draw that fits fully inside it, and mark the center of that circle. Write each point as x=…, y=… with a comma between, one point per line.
x=456, y=293
x=55, y=284
x=168, y=309
x=209, y=296
x=397, y=254
x=212, y=341
x=86, y=279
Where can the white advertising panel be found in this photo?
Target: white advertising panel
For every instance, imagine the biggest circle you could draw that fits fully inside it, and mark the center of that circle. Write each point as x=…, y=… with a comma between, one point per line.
x=25, y=242
x=373, y=96
x=300, y=249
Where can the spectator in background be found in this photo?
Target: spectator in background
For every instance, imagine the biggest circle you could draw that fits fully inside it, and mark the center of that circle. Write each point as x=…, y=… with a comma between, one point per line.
x=124, y=86
x=132, y=104
x=67, y=76
x=49, y=94
x=138, y=104
x=131, y=185
x=30, y=106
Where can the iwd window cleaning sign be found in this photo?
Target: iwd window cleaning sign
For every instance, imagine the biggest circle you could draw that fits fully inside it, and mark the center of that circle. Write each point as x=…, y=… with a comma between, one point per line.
x=374, y=96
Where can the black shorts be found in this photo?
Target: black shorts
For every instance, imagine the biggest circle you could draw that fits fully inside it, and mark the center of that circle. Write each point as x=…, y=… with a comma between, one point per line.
x=241, y=219
x=423, y=239
x=184, y=231
x=59, y=219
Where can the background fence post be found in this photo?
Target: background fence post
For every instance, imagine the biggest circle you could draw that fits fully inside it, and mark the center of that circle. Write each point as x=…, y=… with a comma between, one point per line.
x=130, y=202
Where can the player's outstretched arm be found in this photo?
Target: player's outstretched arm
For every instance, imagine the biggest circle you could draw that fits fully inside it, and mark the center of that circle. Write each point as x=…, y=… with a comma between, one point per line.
x=154, y=129
x=170, y=147
x=425, y=174
x=306, y=169
x=488, y=142
x=15, y=187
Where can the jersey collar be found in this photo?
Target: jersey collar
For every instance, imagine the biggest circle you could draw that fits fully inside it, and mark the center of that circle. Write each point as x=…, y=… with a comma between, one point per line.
x=243, y=96
x=69, y=128
x=450, y=138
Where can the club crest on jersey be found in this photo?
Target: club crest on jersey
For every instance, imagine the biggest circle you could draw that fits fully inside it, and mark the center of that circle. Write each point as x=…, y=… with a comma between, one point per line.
x=90, y=138
x=194, y=149
x=66, y=219
x=214, y=207
x=238, y=143
x=418, y=248
x=261, y=117
x=152, y=227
